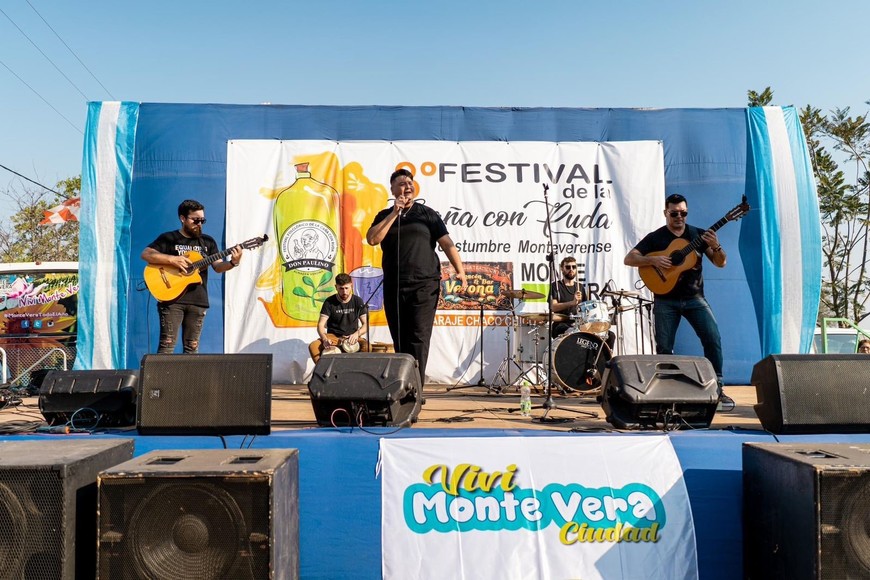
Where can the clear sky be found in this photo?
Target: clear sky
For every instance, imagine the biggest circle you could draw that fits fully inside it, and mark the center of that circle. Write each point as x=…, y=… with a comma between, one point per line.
x=571, y=53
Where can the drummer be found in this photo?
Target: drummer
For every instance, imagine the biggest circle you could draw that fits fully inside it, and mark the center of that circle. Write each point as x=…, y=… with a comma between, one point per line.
x=565, y=296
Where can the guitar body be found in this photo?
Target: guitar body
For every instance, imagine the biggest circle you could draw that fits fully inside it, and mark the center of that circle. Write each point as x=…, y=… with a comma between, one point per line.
x=663, y=281
x=167, y=283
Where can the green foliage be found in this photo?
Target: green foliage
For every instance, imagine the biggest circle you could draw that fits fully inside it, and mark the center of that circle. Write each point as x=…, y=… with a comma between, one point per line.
x=24, y=240
x=844, y=207
x=761, y=99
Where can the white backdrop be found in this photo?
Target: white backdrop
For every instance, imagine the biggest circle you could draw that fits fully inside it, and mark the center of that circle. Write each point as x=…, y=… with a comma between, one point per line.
x=603, y=198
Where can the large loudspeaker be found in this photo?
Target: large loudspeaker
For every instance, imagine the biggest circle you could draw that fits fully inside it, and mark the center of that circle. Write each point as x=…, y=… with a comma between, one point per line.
x=208, y=394
x=366, y=389
x=48, y=505
x=813, y=393
x=805, y=510
x=97, y=398
x=659, y=391
x=200, y=514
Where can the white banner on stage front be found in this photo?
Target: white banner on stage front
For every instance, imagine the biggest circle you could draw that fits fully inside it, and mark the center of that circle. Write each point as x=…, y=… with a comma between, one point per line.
x=535, y=507
x=317, y=199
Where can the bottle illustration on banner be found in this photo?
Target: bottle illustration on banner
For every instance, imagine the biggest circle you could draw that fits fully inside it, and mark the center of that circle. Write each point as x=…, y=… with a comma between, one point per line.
x=306, y=229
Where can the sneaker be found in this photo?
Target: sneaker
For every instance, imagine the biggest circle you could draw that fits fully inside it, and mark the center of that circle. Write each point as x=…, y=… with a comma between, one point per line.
x=726, y=403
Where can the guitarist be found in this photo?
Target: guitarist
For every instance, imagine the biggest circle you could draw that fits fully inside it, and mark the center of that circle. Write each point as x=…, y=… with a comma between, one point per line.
x=188, y=310
x=686, y=299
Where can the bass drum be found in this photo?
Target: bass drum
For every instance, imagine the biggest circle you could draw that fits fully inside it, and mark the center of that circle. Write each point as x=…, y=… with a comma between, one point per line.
x=579, y=360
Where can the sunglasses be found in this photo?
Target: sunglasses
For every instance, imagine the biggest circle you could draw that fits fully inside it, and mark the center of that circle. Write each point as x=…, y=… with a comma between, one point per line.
x=197, y=221
x=674, y=214
x=574, y=267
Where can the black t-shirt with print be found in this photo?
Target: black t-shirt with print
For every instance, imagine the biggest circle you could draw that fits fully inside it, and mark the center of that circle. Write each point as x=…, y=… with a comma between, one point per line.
x=342, y=319
x=691, y=282
x=174, y=243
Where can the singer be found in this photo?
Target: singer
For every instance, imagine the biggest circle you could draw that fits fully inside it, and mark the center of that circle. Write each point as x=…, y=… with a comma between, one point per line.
x=407, y=233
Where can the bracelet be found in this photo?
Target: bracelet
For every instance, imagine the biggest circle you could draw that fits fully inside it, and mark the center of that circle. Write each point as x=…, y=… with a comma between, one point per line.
x=717, y=249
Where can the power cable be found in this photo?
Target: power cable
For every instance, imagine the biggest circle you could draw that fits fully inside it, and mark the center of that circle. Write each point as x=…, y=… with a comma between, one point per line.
x=41, y=97
x=30, y=180
x=36, y=46
x=72, y=52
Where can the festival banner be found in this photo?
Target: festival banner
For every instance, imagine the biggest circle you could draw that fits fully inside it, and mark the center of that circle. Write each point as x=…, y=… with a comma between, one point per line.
x=528, y=507
x=508, y=207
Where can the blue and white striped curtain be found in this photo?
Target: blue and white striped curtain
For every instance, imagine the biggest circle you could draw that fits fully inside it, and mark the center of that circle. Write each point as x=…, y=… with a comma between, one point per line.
x=782, y=245
x=104, y=235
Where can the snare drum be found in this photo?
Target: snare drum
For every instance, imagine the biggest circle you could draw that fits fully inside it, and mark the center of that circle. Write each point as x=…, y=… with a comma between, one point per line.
x=579, y=359
x=593, y=316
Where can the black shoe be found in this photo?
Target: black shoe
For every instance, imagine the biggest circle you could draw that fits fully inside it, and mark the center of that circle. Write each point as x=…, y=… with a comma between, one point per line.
x=726, y=403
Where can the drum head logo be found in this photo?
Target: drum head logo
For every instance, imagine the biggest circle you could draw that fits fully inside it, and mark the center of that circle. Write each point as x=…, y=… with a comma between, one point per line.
x=309, y=246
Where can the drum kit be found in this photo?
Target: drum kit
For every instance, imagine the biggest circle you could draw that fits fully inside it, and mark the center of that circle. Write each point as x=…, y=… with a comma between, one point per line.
x=580, y=354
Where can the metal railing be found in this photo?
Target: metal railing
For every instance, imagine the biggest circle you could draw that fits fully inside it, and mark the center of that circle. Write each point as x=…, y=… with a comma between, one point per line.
x=21, y=360
x=841, y=322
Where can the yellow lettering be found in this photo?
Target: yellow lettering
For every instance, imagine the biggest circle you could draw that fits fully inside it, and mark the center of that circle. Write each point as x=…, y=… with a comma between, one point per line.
x=567, y=534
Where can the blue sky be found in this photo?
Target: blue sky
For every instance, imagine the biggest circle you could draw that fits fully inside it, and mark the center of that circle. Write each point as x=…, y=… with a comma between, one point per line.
x=664, y=54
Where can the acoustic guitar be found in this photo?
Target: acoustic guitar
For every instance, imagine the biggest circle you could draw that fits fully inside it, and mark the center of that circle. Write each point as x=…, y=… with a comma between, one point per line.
x=684, y=255
x=168, y=282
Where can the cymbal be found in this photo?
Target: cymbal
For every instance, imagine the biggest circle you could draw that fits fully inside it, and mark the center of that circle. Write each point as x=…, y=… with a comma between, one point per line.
x=522, y=294
x=541, y=317
x=621, y=293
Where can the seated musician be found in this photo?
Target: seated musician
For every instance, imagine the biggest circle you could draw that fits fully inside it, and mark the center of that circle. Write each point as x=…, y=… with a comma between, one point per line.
x=565, y=296
x=343, y=321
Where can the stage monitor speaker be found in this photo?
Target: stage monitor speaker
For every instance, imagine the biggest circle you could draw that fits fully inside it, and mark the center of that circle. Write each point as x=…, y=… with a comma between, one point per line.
x=813, y=393
x=805, y=510
x=89, y=399
x=206, y=394
x=659, y=391
x=366, y=389
x=48, y=505
x=200, y=514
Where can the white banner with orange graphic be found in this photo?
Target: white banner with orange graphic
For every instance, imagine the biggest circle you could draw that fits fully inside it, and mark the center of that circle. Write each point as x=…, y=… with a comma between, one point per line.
x=516, y=508
x=316, y=200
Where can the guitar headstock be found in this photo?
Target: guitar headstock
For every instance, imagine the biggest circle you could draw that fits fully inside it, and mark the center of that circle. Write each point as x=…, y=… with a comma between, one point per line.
x=738, y=211
x=255, y=242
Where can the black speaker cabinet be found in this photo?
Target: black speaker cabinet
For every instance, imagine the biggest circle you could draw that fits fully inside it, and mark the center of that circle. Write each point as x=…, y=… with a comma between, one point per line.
x=48, y=505
x=213, y=513
x=813, y=393
x=806, y=509
x=659, y=391
x=97, y=398
x=207, y=394
x=366, y=389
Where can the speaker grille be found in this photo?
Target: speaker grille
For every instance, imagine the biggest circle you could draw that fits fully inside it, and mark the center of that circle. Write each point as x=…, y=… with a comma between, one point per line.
x=32, y=520
x=200, y=514
x=813, y=393
x=48, y=502
x=207, y=394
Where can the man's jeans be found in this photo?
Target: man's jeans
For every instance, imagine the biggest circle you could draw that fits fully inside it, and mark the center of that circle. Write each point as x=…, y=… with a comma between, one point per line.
x=185, y=316
x=700, y=316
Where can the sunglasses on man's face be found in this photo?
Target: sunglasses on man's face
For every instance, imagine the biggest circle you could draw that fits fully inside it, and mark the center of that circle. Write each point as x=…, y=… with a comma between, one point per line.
x=197, y=221
x=675, y=213
x=571, y=267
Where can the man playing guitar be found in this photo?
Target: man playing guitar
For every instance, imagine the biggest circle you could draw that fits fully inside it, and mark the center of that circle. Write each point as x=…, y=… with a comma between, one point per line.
x=343, y=321
x=686, y=298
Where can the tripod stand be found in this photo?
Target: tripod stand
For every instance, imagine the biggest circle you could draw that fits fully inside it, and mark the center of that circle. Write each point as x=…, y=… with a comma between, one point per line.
x=548, y=404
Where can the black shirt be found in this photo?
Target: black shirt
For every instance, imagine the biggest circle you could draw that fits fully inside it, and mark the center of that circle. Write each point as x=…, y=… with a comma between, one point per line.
x=560, y=292
x=174, y=243
x=409, y=246
x=691, y=282
x=343, y=319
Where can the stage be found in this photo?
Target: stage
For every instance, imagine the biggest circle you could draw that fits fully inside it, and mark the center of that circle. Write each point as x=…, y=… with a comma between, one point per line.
x=340, y=492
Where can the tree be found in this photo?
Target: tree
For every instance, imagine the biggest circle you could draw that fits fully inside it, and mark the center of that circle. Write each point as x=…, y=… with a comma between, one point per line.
x=24, y=240
x=844, y=207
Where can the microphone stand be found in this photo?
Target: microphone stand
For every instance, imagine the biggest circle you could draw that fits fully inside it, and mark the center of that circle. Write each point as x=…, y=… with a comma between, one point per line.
x=548, y=403
x=368, y=318
x=480, y=381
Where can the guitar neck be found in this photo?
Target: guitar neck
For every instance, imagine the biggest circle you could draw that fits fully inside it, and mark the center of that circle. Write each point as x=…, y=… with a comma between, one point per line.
x=208, y=260
x=696, y=243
